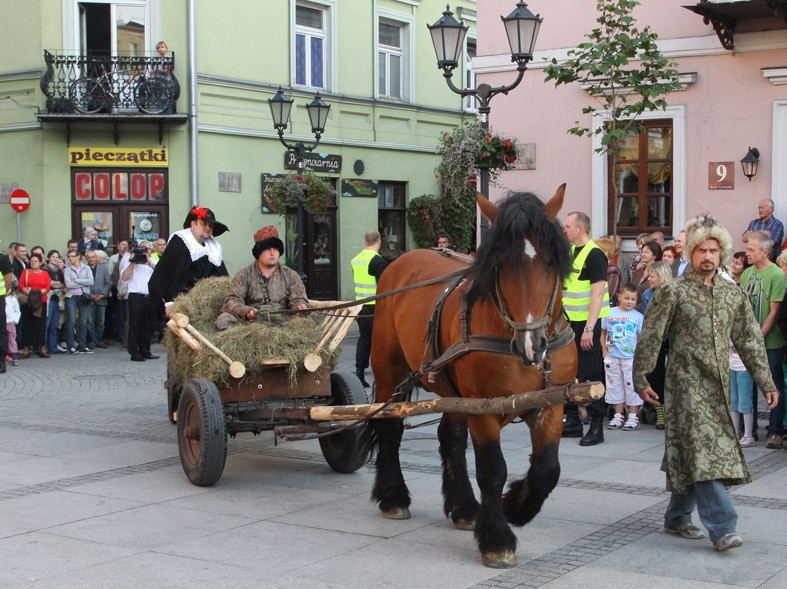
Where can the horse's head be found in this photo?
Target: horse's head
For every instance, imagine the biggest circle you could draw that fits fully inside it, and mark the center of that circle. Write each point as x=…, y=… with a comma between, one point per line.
x=520, y=266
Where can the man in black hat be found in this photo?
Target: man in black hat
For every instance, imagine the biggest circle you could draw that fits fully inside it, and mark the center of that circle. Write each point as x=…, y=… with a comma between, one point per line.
x=264, y=283
x=191, y=255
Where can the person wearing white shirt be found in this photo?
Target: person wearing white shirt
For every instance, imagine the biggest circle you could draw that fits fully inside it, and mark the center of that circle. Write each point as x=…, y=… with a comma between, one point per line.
x=136, y=267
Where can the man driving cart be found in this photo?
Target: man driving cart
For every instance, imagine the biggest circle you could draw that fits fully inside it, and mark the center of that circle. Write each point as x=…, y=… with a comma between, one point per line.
x=265, y=283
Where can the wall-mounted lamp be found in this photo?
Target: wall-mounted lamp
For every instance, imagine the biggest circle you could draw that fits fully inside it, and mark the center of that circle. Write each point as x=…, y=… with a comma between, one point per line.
x=750, y=163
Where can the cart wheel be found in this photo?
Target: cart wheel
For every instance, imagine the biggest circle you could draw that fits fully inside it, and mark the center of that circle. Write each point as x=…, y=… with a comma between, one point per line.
x=347, y=451
x=174, y=388
x=202, y=433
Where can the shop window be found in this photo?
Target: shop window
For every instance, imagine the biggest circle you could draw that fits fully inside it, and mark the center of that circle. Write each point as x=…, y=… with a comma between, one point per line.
x=391, y=216
x=643, y=177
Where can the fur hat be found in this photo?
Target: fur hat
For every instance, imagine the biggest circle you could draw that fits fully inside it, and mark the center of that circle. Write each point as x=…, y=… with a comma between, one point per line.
x=266, y=238
x=702, y=228
x=197, y=212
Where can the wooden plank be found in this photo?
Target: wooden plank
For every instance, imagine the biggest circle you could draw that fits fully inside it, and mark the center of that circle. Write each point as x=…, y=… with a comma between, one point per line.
x=275, y=385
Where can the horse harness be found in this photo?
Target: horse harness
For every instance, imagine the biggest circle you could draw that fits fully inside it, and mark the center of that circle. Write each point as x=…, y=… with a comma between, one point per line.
x=484, y=343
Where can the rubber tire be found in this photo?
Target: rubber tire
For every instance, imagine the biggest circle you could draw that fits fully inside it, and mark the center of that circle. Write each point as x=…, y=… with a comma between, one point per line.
x=90, y=106
x=174, y=390
x=200, y=405
x=347, y=451
x=151, y=96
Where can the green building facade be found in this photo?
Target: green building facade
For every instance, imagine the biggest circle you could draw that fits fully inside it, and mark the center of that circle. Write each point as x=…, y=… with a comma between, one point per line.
x=98, y=133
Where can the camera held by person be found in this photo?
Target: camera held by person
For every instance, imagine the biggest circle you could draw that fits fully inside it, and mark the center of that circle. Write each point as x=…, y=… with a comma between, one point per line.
x=139, y=255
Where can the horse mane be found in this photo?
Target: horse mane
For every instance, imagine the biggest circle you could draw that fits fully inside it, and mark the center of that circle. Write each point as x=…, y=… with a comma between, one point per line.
x=521, y=217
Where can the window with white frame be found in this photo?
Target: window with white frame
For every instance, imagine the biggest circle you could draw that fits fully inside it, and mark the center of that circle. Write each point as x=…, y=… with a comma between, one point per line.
x=311, y=45
x=470, y=53
x=390, y=60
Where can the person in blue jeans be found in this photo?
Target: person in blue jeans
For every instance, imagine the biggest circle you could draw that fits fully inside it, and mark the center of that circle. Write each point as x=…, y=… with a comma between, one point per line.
x=78, y=279
x=765, y=285
x=54, y=267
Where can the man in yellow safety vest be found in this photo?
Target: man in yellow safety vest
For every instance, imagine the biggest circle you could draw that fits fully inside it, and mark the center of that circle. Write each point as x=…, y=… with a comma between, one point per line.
x=367, y=267
x=586, y=301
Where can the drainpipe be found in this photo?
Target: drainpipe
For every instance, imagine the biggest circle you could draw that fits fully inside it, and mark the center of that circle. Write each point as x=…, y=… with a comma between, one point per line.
x=193, y=121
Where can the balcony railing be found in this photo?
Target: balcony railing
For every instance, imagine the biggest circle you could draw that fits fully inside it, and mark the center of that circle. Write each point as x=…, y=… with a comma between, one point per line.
x=118, y=84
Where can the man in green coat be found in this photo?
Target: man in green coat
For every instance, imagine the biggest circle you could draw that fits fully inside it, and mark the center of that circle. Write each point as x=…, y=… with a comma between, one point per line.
x=701, y=312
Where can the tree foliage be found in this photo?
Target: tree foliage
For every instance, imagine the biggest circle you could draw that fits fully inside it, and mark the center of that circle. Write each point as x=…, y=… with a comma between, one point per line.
x=622, y=68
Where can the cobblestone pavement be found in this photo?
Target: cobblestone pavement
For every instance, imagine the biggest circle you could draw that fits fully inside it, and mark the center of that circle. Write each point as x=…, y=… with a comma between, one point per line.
x=92, y=494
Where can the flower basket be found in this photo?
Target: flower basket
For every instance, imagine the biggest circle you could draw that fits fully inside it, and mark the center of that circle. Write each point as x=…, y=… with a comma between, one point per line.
x=315, y=194
x=467, y=149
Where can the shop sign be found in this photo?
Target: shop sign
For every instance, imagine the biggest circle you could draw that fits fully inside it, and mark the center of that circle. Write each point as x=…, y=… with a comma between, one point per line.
x=117, y=156
x=119, y=186
x=316, y=162
x=721, y=175
x=268, y=182
x=359, y=187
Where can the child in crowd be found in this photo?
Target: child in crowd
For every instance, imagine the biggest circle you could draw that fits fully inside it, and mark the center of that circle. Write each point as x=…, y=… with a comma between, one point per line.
x=741, y=397
x=619, y=333
x=12, y=315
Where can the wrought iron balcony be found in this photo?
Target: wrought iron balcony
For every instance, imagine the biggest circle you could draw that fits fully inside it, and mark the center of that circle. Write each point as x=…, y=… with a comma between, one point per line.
x=116, y=84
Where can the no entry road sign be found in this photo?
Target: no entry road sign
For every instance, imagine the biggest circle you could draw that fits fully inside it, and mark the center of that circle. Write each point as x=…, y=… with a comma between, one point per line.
x=20, y=200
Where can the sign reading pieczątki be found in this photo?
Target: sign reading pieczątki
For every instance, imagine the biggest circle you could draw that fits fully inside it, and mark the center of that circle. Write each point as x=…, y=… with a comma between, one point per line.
x=117, y=156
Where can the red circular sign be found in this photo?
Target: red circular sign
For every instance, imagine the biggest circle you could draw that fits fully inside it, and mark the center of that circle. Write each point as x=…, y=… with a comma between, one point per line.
x=20, y=200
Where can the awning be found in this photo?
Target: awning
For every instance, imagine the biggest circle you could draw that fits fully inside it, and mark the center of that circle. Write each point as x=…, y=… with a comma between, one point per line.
x=724, y=16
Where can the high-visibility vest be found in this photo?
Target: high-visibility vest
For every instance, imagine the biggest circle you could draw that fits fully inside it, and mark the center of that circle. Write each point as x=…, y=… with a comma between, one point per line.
x=577, y=293
x=2, y=284
x=365, y=283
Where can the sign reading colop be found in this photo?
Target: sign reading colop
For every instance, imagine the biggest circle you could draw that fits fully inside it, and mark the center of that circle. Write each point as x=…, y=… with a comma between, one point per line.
x=116, y=156
x=20, y=200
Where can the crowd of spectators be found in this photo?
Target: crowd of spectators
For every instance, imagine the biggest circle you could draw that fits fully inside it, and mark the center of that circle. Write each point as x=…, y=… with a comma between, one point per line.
x=74, y=302
x=760, y=270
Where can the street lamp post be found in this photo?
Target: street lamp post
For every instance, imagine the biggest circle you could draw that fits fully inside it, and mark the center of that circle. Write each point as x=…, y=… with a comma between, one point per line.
x=281, y=106
x=448, y=36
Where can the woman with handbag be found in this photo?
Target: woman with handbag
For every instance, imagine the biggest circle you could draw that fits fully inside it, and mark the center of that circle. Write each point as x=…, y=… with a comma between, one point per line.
x=78, y=280
x=34, y=284
x=55, y=270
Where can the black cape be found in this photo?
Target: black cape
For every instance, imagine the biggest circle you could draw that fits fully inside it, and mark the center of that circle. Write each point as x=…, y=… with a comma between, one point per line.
x=176, y=273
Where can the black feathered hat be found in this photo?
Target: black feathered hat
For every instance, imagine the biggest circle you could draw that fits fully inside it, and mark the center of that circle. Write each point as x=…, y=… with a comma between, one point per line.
x=205, y=214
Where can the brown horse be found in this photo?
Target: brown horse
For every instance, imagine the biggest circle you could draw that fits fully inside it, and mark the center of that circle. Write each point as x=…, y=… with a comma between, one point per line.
x=506, y=309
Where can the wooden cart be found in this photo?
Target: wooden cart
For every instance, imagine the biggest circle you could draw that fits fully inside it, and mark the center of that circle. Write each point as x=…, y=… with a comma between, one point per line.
x=316, y=401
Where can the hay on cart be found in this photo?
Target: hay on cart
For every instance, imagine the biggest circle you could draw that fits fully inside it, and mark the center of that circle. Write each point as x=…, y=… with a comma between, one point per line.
x=289, y=337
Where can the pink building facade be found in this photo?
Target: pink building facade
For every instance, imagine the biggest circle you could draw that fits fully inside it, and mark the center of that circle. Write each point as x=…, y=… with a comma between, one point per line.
x=688, y=160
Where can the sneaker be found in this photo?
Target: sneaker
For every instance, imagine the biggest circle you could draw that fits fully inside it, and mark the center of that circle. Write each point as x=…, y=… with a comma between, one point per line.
x=746, y=441
x=616, y=422
x=86, y=351
x=727, y=541
x=687, y=530
x=62, y=349
x=632, y=423
x=73, y=351
x=774, y=443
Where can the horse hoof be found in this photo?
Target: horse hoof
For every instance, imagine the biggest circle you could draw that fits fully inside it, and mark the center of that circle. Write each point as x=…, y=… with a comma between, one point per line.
x=465, y=524
x=397, y=513
x=499, y=560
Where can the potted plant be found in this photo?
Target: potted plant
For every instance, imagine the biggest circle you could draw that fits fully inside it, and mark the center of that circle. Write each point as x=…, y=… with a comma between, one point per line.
x=315, y=193
x=468, y=148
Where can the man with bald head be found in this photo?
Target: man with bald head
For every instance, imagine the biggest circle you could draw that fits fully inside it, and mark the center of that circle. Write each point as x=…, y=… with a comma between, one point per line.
x=769, y=224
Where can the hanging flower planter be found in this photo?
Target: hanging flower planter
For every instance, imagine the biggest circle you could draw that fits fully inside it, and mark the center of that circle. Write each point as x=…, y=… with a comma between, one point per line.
x=315, y=194
x=469, y=148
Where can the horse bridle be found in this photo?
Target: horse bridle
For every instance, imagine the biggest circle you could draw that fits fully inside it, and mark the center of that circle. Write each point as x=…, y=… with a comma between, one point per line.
x=517, y=326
